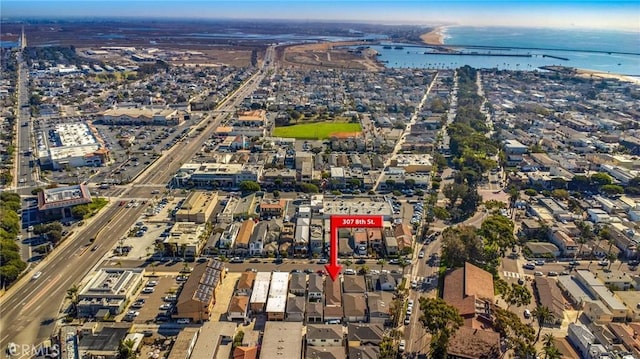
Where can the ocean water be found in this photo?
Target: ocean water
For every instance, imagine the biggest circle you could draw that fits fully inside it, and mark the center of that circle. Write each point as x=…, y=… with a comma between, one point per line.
x=556, y=39
x=524, y=49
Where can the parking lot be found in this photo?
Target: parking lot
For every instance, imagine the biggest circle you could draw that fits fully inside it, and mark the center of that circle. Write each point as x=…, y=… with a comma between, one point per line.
x=166, y=285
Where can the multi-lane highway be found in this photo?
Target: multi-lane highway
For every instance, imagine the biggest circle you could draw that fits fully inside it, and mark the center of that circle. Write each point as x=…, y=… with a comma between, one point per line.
x=29, y=309
x=24, y=177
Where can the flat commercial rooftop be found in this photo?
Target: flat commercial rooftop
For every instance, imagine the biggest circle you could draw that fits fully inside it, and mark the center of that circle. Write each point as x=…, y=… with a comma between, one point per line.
x=281, y=340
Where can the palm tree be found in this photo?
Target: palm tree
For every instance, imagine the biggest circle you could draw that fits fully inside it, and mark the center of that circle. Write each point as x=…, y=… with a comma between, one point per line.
x=552, y=352
x=547, y=339
x=348, y=263
x=382, y=262
x=72, y=295
x=542, y=315
x=403, y=264
x=364, y=269
x=125, y=349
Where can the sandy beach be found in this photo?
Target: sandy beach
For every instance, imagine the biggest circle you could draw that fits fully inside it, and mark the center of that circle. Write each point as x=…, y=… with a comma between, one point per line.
x=433, y=37
x=605, y=75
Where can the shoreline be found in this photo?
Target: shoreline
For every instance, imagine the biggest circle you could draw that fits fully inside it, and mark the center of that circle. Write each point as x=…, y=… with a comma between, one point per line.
x=584, y=73
x=434, y=37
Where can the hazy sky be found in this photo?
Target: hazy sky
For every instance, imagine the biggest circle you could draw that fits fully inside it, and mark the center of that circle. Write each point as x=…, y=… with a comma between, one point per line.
x=539, y=13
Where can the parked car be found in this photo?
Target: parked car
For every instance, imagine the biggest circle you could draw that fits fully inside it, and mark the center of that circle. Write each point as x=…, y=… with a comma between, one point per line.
x=350, y=271
x=402, y=346
x=148, y=290
x=183, y=321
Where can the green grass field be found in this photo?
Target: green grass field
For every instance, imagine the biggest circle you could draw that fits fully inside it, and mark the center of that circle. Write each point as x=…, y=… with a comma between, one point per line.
x=318, y=130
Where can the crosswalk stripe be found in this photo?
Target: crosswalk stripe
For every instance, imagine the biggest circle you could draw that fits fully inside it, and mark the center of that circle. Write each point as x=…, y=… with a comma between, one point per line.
x=511, y=274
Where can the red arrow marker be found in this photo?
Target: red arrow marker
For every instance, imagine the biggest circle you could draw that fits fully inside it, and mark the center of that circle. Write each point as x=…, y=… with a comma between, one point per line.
x=333, y=268
x=352, y=221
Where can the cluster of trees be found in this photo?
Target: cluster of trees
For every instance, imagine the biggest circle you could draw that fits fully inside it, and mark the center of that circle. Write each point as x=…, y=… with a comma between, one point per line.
x=53, y=54
x=52, y=231
x=11, y=265
x=441, y=320
x=87, y=210
x=463, y=202
x=600, y=181
x=469, y=145
x=482, y=247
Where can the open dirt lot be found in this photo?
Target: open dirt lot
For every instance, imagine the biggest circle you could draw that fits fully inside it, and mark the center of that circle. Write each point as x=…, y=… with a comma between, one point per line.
x=328, y=54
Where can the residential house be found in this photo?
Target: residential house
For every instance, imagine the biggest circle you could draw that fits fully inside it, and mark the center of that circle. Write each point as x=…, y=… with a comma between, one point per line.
x=390, y=245
x=333, y=299
x=360, y=241
x=301, y=236
x=244, y=237
x=364, y=352
x=581, y=338
x=403, y=235
x=325, y=353
x=295, y=309
x=387, y=282
x=323, y=335
x=238, y=308
x=374, y=236
x=298, y=284
x=550, y=296
x=316, y=238
x=258, y=238
x=314, y=312
x=245, y=283
x=260, y=292
x=354, y=284
x=596, y=311
x=355, y=308
x=565, y=243
x=272, y=208
x=379, y=309
x=315, y=287
x=364, y=334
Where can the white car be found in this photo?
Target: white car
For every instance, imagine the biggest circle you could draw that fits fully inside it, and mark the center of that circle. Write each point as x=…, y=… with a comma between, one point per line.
x=409, y=310
x=183, y=321
x=36, y=276
x=165, y=306
x=410, y=303
x=349, y=271
x=414, y=284
x=148, y=290
x=133, y=313
x=152, y=283
x=421, y=255
x=402, y=346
